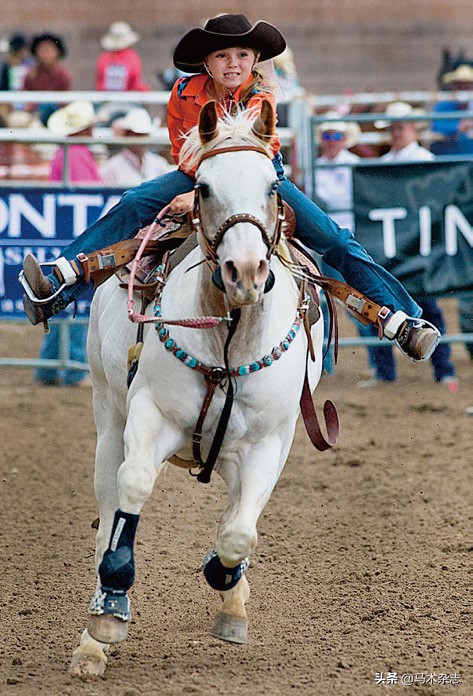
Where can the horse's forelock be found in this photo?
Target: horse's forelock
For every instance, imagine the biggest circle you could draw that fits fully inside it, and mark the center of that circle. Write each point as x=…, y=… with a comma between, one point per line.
x=237, y=129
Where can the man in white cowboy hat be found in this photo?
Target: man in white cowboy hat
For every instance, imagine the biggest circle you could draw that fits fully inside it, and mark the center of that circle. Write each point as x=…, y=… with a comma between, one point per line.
x=404, y=134
x=334, y=185
x=135, y=163
x=119, y=67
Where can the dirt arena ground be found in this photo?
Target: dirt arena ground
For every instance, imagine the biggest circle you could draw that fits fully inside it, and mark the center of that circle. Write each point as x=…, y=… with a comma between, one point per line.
x=361, y=566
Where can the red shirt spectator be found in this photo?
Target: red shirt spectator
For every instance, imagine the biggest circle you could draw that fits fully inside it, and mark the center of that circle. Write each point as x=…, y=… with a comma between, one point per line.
x=119, y=67
x=48, y=74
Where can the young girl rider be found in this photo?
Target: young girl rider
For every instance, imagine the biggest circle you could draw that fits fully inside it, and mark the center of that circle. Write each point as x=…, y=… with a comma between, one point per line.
x=224, y=57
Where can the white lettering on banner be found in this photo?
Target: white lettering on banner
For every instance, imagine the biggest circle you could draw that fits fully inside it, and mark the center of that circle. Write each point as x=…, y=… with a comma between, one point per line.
x=387, y=217
x=111, y=201
x=4, y=216
x=425, y=227
x=44, y=223
x=455, y=220
x=79, y=203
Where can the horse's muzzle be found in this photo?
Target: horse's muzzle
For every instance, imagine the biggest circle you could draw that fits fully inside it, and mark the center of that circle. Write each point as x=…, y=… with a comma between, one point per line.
x=218, y=280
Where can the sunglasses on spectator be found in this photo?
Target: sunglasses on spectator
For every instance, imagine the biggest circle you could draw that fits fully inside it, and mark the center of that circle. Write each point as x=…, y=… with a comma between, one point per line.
x=333, y=135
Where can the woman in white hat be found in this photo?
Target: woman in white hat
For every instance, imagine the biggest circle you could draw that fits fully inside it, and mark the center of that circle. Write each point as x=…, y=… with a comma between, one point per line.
x=223, y=57
x=119, y=67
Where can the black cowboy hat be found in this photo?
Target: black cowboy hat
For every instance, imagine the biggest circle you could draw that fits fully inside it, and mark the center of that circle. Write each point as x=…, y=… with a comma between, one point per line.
x=56, y=40
x=226, y=31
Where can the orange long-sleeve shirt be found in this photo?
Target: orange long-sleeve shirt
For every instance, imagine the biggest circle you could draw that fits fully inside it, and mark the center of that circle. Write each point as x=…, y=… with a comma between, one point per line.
x=187, y=98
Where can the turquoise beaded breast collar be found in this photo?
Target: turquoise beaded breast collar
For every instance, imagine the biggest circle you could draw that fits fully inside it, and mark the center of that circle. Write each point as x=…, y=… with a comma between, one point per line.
x=266, y=361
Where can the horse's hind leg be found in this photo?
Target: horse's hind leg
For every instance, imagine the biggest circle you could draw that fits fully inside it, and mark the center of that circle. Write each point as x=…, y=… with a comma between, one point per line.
x=90, y=657
x=148, y=439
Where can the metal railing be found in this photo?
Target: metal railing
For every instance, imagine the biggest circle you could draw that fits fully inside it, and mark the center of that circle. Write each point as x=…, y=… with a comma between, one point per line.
x=301, y=131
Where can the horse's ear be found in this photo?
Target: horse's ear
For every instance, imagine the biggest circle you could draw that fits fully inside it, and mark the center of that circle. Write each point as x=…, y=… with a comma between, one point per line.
x=208, y=122
x=265, y=124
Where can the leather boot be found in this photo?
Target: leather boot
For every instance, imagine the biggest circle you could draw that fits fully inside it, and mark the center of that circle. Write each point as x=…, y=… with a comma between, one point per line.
x=37, y=281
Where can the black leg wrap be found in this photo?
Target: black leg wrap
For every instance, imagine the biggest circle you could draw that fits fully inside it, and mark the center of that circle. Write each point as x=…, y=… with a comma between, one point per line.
x=219, y=577
x=117, y=570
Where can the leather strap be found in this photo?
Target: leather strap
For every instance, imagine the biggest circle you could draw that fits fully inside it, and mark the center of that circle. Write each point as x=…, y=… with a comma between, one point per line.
x=311, y=420
x=361, y=307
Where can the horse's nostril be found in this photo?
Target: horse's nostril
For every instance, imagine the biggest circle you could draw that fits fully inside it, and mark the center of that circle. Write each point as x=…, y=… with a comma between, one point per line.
x=231, y=268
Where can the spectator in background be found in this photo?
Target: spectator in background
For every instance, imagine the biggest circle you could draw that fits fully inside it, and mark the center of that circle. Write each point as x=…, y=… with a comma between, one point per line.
x=458, y=135
x=48, y=75
x=135, y=163
x=405, y=148
x=74, y=120
x=119, y=67
x=458, y=140
x=334, y=187
x=19, y=61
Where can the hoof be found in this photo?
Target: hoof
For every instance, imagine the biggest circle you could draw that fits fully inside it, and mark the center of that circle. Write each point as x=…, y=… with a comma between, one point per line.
x=233, y=629
x=107, y=629
x=86, y=667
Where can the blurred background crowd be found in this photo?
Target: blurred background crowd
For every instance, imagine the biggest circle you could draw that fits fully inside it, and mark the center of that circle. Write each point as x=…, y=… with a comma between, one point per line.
x=41, y=63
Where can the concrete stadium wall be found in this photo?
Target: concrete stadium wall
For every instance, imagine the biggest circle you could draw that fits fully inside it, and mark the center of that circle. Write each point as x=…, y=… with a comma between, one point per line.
x=338, y=44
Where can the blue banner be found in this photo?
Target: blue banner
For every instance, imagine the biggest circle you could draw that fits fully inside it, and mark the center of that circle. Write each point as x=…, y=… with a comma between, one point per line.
x=42, y=221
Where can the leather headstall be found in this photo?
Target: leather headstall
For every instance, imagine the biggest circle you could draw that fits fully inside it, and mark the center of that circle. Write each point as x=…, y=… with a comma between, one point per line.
x=211, y=246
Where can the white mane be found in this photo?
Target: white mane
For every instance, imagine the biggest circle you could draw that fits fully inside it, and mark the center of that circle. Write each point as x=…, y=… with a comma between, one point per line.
x=237, y=129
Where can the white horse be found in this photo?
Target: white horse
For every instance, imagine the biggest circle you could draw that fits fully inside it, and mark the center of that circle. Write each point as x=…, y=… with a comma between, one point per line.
x=139, y=429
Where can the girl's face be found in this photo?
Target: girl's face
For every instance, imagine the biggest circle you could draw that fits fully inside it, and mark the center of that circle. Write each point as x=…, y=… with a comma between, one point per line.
x=231, y=67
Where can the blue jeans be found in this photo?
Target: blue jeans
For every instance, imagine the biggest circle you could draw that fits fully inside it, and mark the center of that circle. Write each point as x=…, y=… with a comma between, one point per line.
x=382, y=357
x=50, y=351
x=139, y=206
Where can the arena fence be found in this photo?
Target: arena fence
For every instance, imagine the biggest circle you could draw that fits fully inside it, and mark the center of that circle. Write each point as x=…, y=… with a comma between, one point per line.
x=299, y=137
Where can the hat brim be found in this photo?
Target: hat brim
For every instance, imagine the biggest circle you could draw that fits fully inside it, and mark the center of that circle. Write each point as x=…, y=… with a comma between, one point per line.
x=110, y=43
x=198, y=43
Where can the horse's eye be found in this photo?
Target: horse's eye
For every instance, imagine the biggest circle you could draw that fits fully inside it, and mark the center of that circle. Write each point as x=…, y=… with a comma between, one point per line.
x=274, y=187
x=204, y=190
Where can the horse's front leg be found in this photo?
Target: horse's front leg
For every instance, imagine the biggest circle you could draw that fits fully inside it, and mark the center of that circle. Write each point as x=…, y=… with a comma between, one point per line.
x=90, y=657
x=251, y=474
x=148, y=439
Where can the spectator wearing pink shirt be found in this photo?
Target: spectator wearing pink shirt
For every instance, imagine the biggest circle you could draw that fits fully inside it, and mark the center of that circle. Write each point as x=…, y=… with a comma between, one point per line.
x=119, y=67
x=74, y=120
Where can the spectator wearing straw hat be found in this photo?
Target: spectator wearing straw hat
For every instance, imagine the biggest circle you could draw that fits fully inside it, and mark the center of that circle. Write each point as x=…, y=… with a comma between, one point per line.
x=119, y=66
x=135, y=163
x=334, y=185
x=405, y=148
x=458, y=134
x=74, y=120
x=404, y=134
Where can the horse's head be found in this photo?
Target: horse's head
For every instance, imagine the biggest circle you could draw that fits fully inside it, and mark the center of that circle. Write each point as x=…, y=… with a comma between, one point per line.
x=237, y=215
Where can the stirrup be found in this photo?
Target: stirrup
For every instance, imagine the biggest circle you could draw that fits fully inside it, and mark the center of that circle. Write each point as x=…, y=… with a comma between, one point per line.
x=29, y=291
x=420, y=324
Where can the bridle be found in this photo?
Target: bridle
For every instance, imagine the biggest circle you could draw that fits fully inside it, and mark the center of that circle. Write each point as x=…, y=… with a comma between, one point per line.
x=211, y=245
